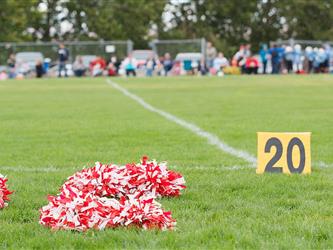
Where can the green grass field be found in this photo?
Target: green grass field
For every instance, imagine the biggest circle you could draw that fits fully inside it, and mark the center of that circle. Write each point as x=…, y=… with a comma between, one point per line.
x=51, y=128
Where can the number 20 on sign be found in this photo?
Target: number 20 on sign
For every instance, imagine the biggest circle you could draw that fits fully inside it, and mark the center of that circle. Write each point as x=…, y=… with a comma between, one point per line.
x=286, y=153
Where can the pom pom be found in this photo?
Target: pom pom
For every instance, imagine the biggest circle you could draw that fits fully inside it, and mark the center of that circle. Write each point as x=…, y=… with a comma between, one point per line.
x=4, y=192
x=110, y=196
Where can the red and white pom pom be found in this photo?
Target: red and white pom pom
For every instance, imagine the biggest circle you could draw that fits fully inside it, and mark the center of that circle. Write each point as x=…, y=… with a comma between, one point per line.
x=111, y=196
x=4, y=192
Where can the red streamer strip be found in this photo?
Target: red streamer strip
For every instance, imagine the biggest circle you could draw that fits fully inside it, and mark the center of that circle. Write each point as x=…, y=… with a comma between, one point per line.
x=108, y=196
x=4, y=192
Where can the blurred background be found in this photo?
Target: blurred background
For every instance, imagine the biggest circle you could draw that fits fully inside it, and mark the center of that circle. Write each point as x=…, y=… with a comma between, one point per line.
x=105, y=28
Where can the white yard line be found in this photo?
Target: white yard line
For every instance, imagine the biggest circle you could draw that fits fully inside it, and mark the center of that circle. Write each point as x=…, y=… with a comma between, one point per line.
x=211, y=138
x=322, y=164
x=219, y=168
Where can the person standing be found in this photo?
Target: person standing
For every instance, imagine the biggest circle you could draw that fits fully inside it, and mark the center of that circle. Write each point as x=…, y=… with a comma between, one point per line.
x=63, y=55
x=211, y=54
x=309, y=59
x=316, y=58
x=277, y=54
x=328, y=51
x=289, y=58
x=11, y=62
x=321, y=59
x=263, y=57
x=202, y=66
x=150, y=65
x=298, y=61
x=167, y=63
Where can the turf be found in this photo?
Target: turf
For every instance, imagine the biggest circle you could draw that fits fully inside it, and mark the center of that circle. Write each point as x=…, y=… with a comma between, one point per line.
x=61, y=125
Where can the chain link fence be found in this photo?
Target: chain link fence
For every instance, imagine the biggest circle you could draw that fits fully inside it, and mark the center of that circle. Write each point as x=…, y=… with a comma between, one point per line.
x=49, y=49
x=160, y=47
x=303, y=43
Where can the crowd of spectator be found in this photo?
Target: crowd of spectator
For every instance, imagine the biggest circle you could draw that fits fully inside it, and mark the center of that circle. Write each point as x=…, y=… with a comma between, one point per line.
x=275, y=60
x=293, y=59
x=283, y=59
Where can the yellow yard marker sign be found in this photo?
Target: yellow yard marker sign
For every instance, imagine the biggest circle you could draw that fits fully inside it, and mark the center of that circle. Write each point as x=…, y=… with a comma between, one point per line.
x=286, y=153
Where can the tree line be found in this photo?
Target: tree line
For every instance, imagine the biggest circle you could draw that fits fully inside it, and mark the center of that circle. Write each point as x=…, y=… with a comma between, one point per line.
x=226, y=23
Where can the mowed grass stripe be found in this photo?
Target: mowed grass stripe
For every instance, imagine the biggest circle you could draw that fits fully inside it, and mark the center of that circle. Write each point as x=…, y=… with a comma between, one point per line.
x=211, y=138
x=235, y=108
x=75, y=127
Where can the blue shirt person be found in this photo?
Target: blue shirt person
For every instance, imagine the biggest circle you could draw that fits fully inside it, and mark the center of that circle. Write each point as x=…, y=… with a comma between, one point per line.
x=263, y=53
x=63, y=55
x=276, y=57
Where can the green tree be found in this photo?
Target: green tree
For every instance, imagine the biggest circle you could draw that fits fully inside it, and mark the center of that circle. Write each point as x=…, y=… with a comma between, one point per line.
x=115, y=19
x=225, y=23
x=310, y=20
x=47, y=27
x=14, y=19
x=299, y=19
x=230, y=23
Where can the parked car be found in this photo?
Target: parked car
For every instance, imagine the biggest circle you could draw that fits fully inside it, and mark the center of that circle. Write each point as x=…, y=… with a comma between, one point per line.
x=26, y=61
x=142, y=56
x=87, y=59
x=3, y=68
x=186, y=62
